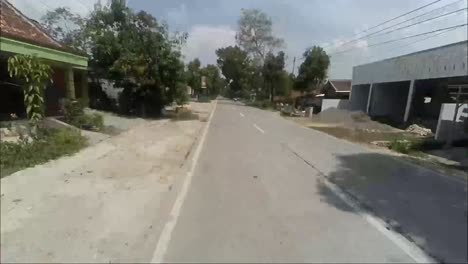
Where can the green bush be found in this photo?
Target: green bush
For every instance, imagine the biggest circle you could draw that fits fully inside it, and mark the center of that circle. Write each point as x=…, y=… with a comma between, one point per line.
x=75, y=115
x=46, y=145
x=404, y=146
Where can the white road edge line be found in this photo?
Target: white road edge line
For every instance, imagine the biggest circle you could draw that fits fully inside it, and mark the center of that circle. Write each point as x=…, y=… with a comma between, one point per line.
x=241, y=114
x=416, y=253
x=165, y=237
x=259, y=129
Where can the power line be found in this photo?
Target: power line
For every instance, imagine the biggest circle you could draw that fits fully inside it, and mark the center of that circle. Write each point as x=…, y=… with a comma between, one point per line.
x=407, y=37
x=414, y=42
x=372, y=34
x=417, y=23
x=392, y=19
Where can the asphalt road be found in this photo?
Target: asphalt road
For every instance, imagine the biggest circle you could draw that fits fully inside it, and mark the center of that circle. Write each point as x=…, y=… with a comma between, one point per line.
x=257, y=195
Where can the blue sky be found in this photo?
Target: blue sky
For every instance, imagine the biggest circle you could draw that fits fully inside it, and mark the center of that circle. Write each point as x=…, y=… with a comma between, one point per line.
x=212, y=24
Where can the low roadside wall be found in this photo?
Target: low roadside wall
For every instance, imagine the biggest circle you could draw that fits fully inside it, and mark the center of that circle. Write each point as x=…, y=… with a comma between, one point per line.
x=446, y=122
x=335, y=103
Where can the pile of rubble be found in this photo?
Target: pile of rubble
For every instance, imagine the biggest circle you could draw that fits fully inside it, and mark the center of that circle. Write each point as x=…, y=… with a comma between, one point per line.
x=420, y=131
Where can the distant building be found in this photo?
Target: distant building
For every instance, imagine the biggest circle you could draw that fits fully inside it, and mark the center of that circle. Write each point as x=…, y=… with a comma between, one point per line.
x=337, y=89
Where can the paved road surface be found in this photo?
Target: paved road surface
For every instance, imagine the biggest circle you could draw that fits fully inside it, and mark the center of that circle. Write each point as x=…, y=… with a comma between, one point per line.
x=256, y=196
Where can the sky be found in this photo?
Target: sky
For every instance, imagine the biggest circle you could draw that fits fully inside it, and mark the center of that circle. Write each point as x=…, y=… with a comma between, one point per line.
x=332, y=24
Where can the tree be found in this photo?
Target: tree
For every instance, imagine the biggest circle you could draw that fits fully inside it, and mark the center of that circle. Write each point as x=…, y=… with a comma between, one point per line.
x=313, y=71
x=66, y=27
x=255, y=34
x=272, y=71
x=34, y=74
x=214, y=82
x=137, y=53
x=236, y=67
x=194, y=74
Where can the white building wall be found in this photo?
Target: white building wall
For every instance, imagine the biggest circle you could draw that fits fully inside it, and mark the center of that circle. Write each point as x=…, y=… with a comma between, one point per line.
x=335, y=103
x=441, y=62
x=447, y=112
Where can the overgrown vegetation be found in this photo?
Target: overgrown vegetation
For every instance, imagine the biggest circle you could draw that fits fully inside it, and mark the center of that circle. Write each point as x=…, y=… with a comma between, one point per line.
x=46, y=144
x=75, y=115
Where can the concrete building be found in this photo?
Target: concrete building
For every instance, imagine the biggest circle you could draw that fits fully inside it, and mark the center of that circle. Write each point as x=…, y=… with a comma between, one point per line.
x=410, y=88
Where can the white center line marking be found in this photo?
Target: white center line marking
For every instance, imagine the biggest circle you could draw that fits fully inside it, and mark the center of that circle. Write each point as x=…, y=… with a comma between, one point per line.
x=165, y=237
x=241, y=114
x=259, y=129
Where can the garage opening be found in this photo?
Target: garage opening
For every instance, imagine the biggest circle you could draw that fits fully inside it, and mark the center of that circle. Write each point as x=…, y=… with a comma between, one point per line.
x=359, y=97
x=388, y=102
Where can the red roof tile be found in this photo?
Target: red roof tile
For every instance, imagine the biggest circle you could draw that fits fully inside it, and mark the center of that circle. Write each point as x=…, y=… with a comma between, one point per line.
x=15, y=25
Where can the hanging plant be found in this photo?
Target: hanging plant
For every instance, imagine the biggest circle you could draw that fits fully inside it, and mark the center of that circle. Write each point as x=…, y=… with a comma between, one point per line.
x=34, y=75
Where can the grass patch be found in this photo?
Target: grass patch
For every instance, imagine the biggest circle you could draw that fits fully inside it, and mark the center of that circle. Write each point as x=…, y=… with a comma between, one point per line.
x=47, y=144
x=362, y=136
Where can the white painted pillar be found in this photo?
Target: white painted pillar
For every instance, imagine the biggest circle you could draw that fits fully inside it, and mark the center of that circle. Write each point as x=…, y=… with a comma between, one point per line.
x=369, y=98
x=409, y=101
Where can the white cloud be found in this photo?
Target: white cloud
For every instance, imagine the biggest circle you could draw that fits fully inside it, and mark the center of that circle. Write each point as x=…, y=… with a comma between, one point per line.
x=204, y=40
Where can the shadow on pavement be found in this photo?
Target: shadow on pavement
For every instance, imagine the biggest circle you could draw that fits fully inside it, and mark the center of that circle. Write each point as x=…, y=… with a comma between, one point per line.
x=427, y=208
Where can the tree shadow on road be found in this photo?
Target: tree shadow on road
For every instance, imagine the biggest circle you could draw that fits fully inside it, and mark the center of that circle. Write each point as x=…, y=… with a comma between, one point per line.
x=427, y=208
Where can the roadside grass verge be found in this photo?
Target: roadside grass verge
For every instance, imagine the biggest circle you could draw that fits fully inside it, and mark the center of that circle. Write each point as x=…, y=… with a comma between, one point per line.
x=411, y=147
x=47, y=144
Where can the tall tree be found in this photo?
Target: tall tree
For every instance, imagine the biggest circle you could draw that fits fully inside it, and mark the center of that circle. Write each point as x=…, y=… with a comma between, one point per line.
x=313, y=71
x=66, y=27
x=272, y=71
x=214, y=82
x=255, y=34
x=137, y=53
x=235, y=66
x=194, y=74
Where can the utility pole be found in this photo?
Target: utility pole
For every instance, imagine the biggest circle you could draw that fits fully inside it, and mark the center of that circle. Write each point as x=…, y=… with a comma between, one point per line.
x=294, y=65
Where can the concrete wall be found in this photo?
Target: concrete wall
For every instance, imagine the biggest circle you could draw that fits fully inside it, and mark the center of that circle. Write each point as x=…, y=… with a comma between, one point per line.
x=335, y=103
x=445, y=122
x=359, y=96
x=389, y=100
x=441, y=62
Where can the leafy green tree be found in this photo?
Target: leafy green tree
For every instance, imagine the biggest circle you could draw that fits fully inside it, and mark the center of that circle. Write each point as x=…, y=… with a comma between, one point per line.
x=236, y=68
x=313, y=71
x=272, y=71
x=214, y=82
x=138, y=54
x=66, y=27
x=255, y=34
x=194, y=74
x=285, y=84
x=35, y=75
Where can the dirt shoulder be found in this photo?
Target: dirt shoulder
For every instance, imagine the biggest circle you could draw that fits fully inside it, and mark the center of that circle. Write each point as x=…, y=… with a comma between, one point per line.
x=107, y=203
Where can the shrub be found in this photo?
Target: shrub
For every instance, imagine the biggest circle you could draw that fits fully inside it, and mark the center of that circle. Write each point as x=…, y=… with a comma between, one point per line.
x=75, y=115
x=47, y=144
x=401, y=146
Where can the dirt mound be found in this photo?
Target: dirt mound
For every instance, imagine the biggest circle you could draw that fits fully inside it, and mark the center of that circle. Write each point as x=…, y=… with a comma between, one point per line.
x=351, y=119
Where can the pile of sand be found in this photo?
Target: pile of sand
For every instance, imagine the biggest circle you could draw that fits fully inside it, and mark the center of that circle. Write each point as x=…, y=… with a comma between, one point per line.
x=352, y=120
